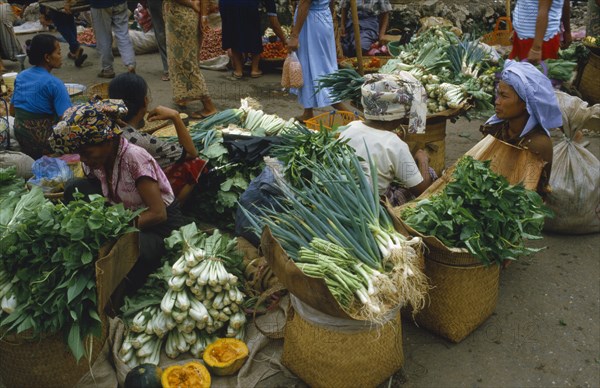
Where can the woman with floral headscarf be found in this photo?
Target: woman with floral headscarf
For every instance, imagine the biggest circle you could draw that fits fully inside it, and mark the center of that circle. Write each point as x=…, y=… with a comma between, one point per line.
x=388, y=100
x=122, y=172
x=526, y=110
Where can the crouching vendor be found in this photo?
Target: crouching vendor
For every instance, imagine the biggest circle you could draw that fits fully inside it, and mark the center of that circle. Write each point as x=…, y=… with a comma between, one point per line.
x=526, y=110
x=123, y=173
x=388, y=100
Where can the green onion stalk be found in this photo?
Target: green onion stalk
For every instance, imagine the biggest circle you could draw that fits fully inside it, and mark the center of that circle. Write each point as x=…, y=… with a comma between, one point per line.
x=334, y=228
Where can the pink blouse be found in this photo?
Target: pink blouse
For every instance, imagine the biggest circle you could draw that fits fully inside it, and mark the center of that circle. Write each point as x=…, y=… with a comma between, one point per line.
x=132, y=163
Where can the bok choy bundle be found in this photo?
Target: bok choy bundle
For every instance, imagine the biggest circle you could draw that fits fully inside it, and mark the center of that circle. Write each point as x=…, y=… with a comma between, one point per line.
x=335, y=228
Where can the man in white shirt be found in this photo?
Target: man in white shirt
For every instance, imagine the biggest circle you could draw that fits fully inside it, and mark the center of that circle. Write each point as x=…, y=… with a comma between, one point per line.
x=388, y=99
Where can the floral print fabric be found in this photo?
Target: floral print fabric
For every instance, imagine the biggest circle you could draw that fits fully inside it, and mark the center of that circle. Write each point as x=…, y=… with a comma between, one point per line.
x=87, y=124
x=387, y=97
x=181, y=24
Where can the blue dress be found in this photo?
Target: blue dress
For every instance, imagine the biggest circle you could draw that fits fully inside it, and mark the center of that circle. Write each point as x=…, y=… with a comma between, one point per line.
x=316, y=53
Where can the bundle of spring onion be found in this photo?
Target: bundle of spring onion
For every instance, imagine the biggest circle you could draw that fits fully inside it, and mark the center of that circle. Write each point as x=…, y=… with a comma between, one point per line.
x=261, y=123
x=334, y=228
x=343, y=85
x=187, y=305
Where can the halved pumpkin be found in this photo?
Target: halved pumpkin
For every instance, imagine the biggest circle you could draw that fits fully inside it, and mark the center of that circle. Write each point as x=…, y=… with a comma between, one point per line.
x=191, y=375
x=225, y=356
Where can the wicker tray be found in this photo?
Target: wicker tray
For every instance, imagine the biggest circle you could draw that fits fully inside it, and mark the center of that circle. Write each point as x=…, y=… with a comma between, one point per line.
x=348, y=63
x=169, y=130
x=153, y=126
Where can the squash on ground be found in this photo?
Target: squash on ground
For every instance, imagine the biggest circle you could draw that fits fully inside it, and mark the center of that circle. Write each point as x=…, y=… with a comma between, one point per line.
x=144, y=376
x=191, y=375
x=225, y=356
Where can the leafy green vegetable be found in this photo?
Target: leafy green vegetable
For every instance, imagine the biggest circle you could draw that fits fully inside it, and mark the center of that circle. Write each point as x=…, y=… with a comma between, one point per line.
x=50, y=250
x=480, y=211
x=301, y=145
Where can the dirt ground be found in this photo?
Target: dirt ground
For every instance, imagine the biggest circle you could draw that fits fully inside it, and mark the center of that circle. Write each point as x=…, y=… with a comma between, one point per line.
x=545, y=331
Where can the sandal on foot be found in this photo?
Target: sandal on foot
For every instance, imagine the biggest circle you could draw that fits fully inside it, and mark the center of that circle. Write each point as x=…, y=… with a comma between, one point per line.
x=256, y=75
x=165, y=77
x=237, y=76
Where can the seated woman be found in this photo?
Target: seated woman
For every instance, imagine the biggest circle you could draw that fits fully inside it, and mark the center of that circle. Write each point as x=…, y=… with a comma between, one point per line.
x=180, y=160
x=388, y=100
x=373, y=19
x=39, y=98
x=122, y=172
x=9, y=45
x=526, y=111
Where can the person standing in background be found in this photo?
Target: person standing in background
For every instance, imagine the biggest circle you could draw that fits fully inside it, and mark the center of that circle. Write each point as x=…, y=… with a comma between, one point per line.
x=314, y=40
x=593, y=26
x=537, y=29
x=9, y=46
x=187, y=81
x=158, y=24
x=109, y=16
x=65, y=24
x=373, y=18
x=242, y=32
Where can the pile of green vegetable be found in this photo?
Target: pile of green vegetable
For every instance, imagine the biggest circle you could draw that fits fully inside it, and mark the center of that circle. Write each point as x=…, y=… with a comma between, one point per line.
x=216, y=199
x=48, y=253
x=334, y=227
x=453, y=72
x=186, y=305
x=480, y=211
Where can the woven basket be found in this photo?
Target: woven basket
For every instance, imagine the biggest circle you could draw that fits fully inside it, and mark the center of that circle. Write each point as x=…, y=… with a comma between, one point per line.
x=463, y=296
x=589, y=86
x=100, y=89
x=47, y=361
x=322, y=357
x=331, y=119
x=500, y=36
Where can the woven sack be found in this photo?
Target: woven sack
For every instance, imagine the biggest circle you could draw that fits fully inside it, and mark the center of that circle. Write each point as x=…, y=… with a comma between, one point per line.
x=47, y=361
x=323, y=357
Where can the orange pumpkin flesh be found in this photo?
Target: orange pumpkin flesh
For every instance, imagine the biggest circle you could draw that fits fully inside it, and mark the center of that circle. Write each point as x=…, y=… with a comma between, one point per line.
x=225, y=356
x=190, y=375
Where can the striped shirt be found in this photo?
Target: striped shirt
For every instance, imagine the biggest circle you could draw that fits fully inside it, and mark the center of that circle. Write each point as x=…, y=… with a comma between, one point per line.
x=525, y=17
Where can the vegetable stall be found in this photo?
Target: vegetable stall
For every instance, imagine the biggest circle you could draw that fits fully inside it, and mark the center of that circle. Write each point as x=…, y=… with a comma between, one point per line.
x=337, y=255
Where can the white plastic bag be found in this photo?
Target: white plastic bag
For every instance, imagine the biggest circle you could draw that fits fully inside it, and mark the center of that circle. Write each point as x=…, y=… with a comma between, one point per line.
x=292, y=72
x=575, y=176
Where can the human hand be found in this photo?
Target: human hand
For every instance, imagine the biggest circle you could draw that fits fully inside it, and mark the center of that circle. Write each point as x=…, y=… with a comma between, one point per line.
x=292, y=44
x=67, y=7
x=162, y=113
x=535, y=56
x=343, y=32
x=195, y=5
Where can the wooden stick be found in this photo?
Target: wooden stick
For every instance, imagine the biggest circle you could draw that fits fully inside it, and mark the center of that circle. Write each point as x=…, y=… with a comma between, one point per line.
x=357, y=45
x=508, y=9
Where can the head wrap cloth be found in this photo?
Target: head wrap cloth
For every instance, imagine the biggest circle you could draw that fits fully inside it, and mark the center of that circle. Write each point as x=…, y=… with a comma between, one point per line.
x=536, y=90
x=87, y=124
x=387, y=97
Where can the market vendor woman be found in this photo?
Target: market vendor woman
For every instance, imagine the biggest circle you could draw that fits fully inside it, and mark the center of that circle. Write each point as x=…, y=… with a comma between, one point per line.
x=526, y=110
x=122, y=172
x=388, y=100
x=373, y=19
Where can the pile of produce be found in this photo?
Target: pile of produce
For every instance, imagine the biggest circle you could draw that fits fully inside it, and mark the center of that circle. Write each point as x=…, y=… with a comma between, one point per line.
x=189, y=304
x=454, y=72
x=217, y=200
x=274, y=50
x=211, y=44
x=87, y=37
x=48, y=253
x=334, y=227
x=479, y=210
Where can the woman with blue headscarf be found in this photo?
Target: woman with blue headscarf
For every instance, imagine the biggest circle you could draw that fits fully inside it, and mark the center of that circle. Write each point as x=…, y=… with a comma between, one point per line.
x=526, y=110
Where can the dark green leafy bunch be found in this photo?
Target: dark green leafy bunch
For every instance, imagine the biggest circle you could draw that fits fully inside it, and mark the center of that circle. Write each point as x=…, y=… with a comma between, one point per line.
x=302, y=145
x=480, y=211
x=50, y=251
x=343, y=85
